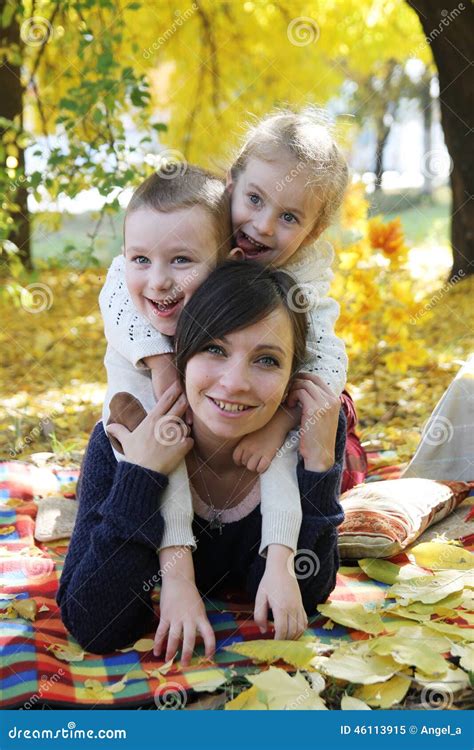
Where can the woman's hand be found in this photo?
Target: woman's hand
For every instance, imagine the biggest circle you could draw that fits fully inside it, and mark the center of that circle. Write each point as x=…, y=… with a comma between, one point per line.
x=182, y=612
x=280, y=591
x=319, y=420
x=161, y=440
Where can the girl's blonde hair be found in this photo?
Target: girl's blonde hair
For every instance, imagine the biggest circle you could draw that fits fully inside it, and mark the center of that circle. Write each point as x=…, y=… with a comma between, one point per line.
x=308, y=136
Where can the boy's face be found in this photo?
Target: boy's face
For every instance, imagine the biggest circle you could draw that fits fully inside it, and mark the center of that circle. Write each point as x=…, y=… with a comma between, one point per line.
x=273, y=211
x=167, y=257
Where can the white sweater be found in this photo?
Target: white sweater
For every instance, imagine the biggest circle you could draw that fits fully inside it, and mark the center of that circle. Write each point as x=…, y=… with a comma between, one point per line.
x=131, y=338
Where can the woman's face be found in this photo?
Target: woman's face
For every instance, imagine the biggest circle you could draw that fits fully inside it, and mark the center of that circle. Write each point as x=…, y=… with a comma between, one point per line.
x=237, y=383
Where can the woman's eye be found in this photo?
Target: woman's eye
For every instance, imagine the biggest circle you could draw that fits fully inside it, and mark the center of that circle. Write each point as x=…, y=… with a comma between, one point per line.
x=289, y=217
x=254, y=198
x=214, y=349
x=180, y=259
x=269, y=362
x=141, y=259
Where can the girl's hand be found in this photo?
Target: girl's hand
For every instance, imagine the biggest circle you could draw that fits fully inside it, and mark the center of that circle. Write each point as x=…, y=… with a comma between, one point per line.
x=319, y=420
x=161, y=440
x=182, y=612
x=279, y=590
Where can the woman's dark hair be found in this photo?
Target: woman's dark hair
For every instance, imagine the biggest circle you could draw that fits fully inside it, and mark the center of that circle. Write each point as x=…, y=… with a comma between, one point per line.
x=235, y=295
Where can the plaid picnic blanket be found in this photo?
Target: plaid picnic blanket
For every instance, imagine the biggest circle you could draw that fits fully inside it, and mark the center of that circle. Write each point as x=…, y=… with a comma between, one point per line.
x=32, y=676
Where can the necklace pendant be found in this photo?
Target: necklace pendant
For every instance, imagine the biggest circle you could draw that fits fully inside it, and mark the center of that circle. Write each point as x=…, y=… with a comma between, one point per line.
x=216, y=523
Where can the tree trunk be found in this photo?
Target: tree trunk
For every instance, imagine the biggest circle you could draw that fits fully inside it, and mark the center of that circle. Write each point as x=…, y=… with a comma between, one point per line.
x=11, y=107
x=382, y=135
x=449, y=29
x=426, y=104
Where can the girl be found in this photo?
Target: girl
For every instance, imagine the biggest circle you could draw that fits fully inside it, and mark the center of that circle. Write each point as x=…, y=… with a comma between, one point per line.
x=238, y=341
x=285, y=186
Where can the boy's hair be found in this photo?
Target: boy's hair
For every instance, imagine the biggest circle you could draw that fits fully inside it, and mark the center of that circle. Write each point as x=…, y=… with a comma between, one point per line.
x=306, y=135
x=188, y=186
x=235, y=295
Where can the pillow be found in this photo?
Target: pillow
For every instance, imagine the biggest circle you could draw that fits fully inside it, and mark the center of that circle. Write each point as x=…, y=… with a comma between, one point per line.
x=382, y=518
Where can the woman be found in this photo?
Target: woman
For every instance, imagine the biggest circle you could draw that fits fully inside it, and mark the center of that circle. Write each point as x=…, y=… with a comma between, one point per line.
x=239, y=346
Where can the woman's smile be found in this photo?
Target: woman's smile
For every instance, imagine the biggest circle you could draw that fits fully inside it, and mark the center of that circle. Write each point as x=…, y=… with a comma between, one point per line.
x=231, y=408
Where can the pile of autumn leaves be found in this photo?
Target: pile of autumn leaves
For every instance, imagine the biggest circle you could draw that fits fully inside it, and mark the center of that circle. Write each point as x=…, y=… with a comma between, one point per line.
x=412, y=639
x=418, y=637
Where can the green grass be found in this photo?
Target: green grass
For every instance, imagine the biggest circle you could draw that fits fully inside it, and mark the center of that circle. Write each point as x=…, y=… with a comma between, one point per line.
x=425, y=220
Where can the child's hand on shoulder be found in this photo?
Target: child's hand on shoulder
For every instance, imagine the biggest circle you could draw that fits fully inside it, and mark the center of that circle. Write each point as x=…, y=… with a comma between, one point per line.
x=257, y=450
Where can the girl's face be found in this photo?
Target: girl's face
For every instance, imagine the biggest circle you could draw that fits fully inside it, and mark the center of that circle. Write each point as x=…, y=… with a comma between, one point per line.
x=167, y=257
x=238, y=382
x=273, y=210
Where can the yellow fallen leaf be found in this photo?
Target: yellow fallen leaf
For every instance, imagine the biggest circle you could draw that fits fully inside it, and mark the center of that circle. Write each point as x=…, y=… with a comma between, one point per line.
x=454, y=680
x=355, y=663
x=427, y=589
x=6, y=530
x=8, y=613
x=442, y=556
x=385, y=694
x=380, y=570
x=281, y=691
x=247, y=700
x=353, y=615
x=467, y=600
x=297, y=653
x=466, y=652
x=142, y=646
x=43, y=608
x=349, y=703
x=67, y=652
x=407, y=647
x=207, y=680
x=26, y=608
x=454, y=631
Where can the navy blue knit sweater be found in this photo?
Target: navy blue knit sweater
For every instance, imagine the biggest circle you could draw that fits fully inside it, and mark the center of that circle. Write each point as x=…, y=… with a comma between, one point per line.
x=112, y=562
